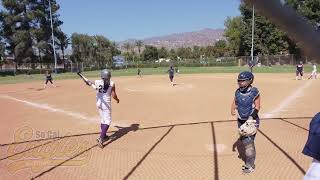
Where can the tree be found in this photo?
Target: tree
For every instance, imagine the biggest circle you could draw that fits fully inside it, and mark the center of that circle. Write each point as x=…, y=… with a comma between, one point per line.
x=210, y=51
x=233, y=33
x=93, y=50
x=307, y=8
x=27, y=31
x=139, y=44
x=15, y=20
x=196, y=52
x=220, y=48
x=172, y=54
x=63, y=43
x=163, y=52
x=150, y=53
x=268, y=39
x=2, y=54
x=104, y=50
x=184, y=53
x=127, y=46
x=41, y=14
x=82, y=48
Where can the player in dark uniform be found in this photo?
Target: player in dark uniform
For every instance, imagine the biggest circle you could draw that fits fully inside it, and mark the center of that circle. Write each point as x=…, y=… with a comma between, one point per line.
x=299, y=71
x=171, y=75
x=247, y=104
x=48, y=79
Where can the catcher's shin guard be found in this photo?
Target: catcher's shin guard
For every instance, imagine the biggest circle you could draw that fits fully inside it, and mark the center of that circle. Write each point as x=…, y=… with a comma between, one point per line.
x=250, y=150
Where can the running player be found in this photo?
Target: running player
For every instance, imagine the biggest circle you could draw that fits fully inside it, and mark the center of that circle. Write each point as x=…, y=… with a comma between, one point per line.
x=299, y=71
x=48, y=79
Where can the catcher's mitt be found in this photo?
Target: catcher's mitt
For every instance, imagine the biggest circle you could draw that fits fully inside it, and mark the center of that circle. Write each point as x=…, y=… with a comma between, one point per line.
x=248, y=128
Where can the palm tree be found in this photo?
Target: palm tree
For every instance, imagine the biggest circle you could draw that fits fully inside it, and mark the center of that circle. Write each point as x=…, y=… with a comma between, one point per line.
x=139, y=44
x=64, y=42
x=127, y=46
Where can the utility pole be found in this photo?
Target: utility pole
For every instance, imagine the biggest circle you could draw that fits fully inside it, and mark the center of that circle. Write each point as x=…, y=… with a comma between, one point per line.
x=252, y=38
x=52, y=36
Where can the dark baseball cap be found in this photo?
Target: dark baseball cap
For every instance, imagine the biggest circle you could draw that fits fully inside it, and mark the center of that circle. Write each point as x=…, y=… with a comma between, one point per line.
x=312, y=147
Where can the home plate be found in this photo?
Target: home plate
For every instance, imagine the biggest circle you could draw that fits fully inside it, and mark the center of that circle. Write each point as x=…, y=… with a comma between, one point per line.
x=220, y=147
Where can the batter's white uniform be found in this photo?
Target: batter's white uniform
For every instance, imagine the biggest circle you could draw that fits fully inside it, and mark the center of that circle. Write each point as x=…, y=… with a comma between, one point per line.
x=104, y=101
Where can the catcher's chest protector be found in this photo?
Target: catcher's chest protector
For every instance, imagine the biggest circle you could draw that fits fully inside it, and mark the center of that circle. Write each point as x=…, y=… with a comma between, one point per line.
x=245, y=102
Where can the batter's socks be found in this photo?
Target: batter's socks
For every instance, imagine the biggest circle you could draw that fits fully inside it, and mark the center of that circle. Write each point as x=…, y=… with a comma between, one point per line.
x=104, y=129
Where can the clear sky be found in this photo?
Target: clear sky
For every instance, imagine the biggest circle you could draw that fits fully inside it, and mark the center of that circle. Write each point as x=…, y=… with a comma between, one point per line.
x=122, y=19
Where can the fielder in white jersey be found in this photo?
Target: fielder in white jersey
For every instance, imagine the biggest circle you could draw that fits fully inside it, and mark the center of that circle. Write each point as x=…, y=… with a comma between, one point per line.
x=314, y=72
x=105, y=90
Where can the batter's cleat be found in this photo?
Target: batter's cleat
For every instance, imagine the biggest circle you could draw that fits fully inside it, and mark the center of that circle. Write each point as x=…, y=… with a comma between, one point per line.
x=247, y=169
x=100, y=142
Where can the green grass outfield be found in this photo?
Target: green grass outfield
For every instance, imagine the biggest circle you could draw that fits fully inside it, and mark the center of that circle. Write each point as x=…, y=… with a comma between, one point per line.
x=152, y=71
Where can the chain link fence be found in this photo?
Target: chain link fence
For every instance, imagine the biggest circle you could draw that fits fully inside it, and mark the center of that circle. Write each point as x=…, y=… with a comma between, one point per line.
x=11, y=68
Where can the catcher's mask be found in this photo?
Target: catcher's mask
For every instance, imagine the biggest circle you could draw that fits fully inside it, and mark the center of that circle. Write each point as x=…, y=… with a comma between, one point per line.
x=312, y=147
x=245, y=79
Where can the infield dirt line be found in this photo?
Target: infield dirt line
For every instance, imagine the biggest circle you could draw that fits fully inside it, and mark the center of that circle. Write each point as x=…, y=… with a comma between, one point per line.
x=49, y=108
x=287, y=101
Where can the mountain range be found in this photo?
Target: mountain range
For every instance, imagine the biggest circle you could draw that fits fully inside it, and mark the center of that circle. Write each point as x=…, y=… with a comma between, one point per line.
x=204, y=37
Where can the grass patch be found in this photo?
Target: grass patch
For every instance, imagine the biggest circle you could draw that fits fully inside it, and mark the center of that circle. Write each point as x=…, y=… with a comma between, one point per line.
x=152, y=71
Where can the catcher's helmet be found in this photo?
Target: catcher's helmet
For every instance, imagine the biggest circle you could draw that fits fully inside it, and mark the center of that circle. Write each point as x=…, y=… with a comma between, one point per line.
x=245, y=76
x=105, y=74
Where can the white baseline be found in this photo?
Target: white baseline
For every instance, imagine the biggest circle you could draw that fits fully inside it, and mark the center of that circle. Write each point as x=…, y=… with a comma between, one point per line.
x=286, y=102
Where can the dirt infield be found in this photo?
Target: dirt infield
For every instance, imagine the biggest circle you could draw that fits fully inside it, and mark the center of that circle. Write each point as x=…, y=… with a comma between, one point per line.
x=184, y=132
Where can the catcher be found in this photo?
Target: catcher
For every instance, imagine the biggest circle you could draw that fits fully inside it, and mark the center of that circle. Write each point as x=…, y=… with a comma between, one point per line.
x=247, y=104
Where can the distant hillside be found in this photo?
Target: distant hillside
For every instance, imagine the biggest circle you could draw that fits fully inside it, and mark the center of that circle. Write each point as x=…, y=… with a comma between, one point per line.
x=203, y=37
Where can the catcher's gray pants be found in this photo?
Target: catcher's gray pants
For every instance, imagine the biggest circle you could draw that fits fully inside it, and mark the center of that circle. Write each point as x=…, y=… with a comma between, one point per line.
x=248, y=143
x=250, y=150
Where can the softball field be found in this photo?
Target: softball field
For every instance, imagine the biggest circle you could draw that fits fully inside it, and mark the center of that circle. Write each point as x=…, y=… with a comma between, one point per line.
x=158, y=131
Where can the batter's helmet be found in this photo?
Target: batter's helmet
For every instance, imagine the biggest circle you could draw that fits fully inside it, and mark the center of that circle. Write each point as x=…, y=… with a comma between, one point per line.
x=105, y=74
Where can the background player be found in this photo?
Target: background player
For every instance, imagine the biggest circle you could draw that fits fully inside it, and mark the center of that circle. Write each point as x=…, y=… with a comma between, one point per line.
x=299, y=71
x=314, y=71
x=139, y=72
x=48, y=78
x=177, y=71
x=171, y=75
x=247, y=104
x=105, y=89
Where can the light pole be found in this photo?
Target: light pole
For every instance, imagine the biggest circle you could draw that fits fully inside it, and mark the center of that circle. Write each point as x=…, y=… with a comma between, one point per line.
x=252, y=38
x=52, y=36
